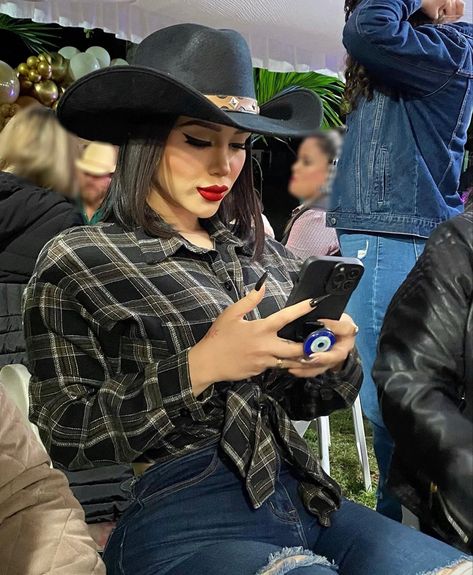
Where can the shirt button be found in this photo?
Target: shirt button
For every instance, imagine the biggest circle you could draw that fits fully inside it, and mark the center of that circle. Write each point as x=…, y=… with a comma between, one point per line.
x=228, y=285
x=333, y=220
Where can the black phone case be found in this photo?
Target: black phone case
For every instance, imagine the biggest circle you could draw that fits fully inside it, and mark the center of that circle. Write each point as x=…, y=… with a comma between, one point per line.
x=319, y=276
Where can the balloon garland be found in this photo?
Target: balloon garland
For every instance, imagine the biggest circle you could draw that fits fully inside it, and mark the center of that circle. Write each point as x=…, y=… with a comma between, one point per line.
x=42, y=79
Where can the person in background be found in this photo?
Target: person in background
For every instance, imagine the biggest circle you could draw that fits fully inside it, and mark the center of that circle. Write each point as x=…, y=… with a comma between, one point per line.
x=42, y=529
x=37, y=190
x=424, y=374
x=409, y=88
x=312, y=174
x=95, y=168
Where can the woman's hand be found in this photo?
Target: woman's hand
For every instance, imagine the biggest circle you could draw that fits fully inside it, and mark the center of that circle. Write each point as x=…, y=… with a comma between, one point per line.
x=444, y=10
x=345, y=332
x=235, y=348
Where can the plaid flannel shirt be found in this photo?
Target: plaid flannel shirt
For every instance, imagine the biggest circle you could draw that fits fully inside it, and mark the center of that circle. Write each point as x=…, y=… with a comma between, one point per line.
x=109, y=318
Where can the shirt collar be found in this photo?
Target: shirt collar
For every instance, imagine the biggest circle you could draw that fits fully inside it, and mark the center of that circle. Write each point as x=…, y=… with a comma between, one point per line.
x=155, y=250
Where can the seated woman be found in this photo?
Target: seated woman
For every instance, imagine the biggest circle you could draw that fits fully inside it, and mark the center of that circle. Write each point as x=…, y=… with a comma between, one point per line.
x=153, y=336
x=424, y=373
x=306, y=234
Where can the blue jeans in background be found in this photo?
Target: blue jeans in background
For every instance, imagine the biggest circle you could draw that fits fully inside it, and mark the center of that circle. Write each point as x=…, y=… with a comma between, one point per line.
x=387, y=260
x=192, y=516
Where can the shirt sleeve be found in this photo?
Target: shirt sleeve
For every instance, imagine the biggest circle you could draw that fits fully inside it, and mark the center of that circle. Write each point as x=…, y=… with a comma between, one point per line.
x=309, y=236
x=418, y=59
x=86, y=410
x=312, y=398
x=42, y=525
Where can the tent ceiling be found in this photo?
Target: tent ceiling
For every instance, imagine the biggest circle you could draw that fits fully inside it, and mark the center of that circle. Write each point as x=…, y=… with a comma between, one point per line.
x=283, y=34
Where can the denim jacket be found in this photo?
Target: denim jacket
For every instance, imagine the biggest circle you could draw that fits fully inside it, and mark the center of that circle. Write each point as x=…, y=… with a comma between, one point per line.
x=401, y=162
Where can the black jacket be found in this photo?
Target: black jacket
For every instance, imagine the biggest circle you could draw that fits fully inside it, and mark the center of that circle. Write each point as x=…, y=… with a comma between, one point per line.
x=424, y=374
x=29, y=218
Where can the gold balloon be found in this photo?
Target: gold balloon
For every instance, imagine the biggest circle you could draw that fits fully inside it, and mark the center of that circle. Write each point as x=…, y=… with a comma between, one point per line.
x=34, y=76
x=25, y=85
x=9, y=84
x=59, y=66
x=46, y=92
x=45, y=70
x=23, y=69
x=45, y=57
x=32, y=61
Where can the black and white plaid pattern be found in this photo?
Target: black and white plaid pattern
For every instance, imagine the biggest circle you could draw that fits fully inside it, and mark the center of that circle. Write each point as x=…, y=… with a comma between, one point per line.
x=109, y=318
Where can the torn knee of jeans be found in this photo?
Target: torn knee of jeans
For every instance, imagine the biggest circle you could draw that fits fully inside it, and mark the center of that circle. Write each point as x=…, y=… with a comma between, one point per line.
x=290, y=558
x=461, y=567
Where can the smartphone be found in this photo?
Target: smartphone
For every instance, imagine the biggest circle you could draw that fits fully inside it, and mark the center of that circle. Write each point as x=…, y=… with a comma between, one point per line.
x=330, y=276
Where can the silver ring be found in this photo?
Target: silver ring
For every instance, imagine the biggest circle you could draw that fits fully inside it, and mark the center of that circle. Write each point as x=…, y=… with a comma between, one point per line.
x=356, y=329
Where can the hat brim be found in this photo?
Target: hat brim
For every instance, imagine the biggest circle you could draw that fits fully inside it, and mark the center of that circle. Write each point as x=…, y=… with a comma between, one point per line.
x=94, y=170
x=115, y=103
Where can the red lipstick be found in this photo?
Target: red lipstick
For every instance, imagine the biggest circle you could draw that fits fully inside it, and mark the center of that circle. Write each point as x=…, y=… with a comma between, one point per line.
x=213, y=193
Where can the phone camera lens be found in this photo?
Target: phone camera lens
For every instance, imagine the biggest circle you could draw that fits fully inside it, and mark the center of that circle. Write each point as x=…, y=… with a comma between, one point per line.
x=338, y=278
x=354, y=273
x=348, y=285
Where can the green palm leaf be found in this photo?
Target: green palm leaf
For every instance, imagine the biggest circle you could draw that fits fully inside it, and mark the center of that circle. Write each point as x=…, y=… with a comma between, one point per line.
x=37, y=37
x=329, y=89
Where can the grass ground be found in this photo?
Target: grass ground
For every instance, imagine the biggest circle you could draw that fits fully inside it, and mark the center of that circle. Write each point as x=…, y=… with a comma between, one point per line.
x=344, y=464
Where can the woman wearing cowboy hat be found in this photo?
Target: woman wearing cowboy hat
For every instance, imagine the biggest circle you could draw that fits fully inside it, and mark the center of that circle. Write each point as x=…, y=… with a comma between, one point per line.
x=153, y=336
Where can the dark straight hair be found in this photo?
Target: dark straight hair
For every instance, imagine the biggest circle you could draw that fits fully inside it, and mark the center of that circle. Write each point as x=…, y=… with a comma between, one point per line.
x=126, y=201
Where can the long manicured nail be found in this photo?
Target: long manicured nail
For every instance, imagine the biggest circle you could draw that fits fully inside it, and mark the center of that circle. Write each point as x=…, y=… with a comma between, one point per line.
x=315, y=302
x=260, y=282
x=311, y=359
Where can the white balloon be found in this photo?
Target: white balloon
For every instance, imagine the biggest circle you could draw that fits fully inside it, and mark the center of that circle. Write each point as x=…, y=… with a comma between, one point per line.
x=119, y=62
x=68, y=51
x=82, y=64
x=101, y=54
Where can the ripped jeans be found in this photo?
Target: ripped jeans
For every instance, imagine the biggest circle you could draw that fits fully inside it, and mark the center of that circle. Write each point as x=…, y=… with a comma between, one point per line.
x=191, y=516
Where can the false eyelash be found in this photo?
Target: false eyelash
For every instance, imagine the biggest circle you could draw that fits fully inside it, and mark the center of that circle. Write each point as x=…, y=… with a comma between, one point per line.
x=196, y=142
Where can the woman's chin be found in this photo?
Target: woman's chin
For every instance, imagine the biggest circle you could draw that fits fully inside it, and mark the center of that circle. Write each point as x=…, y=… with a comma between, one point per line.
x=207, y=211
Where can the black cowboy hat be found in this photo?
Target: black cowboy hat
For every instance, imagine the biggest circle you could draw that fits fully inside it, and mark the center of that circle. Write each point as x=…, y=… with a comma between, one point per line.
x=184, y=70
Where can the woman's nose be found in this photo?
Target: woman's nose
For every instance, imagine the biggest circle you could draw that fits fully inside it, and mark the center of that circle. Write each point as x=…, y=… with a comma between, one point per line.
x=220, y=162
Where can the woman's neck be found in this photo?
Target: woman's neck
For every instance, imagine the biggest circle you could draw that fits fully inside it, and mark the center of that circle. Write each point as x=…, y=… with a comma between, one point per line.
x=174, y=215
x=314, y=197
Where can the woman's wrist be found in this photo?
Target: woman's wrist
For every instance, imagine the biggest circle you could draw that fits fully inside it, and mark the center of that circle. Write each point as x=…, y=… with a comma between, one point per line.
x=201, y=369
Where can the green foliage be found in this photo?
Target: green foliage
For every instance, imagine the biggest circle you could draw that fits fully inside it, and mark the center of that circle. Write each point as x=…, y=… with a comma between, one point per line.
x=37, y=37
x=329, y=89
x=344, y=464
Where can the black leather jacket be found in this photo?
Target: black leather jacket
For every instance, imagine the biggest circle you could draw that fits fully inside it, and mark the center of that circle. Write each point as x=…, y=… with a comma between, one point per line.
x=424, y=374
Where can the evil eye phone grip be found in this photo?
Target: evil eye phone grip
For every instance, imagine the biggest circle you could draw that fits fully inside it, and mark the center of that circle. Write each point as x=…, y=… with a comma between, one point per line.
x=319, y=341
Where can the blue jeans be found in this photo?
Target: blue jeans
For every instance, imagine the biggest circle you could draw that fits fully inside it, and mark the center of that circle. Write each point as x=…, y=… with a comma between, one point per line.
x=387, y=260
x=192, y=515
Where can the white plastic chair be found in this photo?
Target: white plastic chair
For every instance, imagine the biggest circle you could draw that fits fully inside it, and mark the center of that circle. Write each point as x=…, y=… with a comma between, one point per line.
x=15, y=379
x=323, y=433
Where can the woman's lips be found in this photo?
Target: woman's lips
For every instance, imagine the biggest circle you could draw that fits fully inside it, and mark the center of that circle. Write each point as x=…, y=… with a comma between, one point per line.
x=213, y=193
